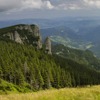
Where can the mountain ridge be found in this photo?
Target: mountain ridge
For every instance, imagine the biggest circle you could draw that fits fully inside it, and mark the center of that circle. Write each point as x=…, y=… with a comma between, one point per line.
x=32, y=69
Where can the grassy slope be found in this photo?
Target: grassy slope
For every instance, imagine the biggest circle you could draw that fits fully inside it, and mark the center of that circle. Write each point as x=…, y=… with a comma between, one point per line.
x=88, y=93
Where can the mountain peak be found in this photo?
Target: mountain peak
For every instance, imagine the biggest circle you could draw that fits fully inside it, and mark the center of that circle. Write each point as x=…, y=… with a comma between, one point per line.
x=23, y=34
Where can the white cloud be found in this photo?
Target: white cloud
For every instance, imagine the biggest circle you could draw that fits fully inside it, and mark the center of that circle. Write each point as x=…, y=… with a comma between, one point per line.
x=37, y=4
x=48, y=5
x=74, y=7
x=77, y=4
x=6, y=5
x=92, y=3
x=66, y=6
x=13, y=5
x=9, y=4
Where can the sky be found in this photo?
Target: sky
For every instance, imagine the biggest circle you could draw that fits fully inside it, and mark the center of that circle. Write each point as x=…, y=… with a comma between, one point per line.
x=21, y=9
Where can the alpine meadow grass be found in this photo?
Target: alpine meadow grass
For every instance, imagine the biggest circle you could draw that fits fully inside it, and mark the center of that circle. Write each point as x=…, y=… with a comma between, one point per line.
x=85, y=93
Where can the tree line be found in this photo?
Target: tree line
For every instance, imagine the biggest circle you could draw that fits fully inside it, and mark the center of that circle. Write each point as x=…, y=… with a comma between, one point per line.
x=24, y=66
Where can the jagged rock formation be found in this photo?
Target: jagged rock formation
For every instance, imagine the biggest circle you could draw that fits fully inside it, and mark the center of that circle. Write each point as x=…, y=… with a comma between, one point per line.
x=27, y=34
x=24, y=34
x=25, y=27
x=19, y=27
x=36, y=31
x=17, y=38
x=39, y=43
x=10, y=35
x=48, y=46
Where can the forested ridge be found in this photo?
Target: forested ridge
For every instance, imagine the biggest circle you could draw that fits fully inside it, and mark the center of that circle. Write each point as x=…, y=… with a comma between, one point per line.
x=23, y=65
x=80, y=56
x=24, y=68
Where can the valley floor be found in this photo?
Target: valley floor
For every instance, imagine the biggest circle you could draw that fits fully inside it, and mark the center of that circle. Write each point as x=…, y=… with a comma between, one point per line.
x=87, y=93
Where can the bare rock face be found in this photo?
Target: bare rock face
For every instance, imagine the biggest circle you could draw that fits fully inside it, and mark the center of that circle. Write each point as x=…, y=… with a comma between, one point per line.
x=28, y=27
x=17, y=38
x=26, y=34
x=39, y=43
x=10, y=35
x=36, y=31
x=36, y=34
x=19, y=27
x=48, y=46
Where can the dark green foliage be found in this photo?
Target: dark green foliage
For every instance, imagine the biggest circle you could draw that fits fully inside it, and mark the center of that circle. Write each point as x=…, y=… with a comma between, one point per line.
x=80, y=74
x=29, y=69
x=21, y=64
x=80, y=56
x=24, y=68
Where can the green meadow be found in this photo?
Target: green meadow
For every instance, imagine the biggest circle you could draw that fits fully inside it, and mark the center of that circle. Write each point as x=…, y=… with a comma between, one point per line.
x=85, y=93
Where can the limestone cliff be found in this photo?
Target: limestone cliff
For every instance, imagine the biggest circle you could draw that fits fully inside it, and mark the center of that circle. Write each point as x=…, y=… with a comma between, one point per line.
x=24, y=34
x=48, y=46
x=39, y=43
x=10, y=35
x=17, y=38
x=36, y=31
x=32, y=30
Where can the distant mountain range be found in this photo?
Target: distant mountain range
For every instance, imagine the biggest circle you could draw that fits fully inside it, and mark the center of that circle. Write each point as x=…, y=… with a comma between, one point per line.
x=84, y=37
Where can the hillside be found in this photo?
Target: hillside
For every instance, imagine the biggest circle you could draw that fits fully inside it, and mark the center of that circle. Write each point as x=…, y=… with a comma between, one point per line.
x=26, y=64
x=80, y=56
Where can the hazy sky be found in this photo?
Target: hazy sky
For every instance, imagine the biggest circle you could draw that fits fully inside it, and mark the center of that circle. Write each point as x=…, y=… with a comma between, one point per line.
x=18, y=9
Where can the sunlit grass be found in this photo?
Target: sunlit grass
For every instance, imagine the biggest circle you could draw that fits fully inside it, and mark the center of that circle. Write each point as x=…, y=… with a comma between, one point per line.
x=87, y=93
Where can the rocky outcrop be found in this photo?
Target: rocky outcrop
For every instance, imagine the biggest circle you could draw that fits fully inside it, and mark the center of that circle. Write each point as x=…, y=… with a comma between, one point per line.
x=39, y=43
x=32, y=29
x=17, y=38
x=24, y=27
x=10, y=35
x=19, y=27
x=28, y=34
x=48, y=46
x=36, y=31
x=36, y=34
